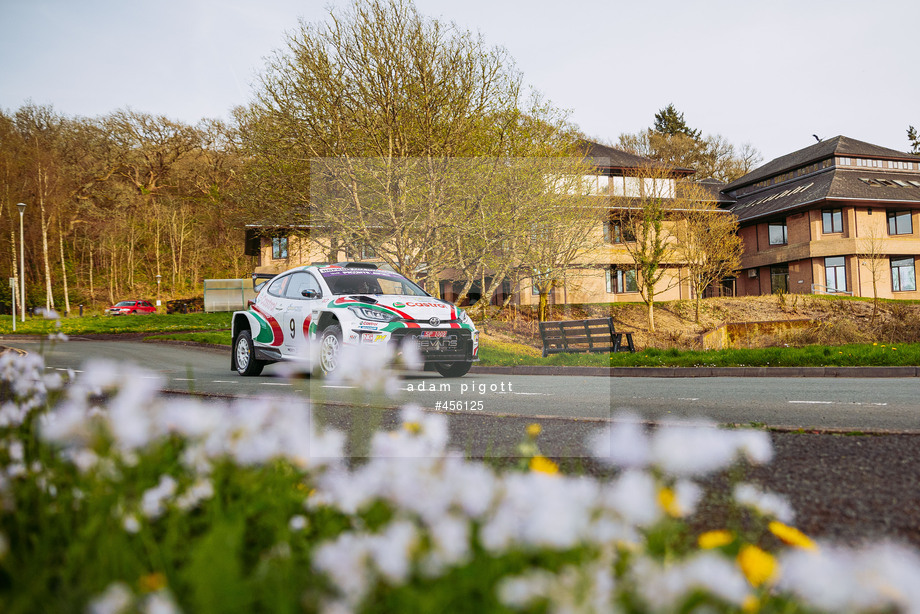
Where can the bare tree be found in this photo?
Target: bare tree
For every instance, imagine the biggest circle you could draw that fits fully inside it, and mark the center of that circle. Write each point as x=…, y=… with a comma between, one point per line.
x=647, y=216
x=713, y=157
x=389, y=108
x=709, y=242
x=873, y=258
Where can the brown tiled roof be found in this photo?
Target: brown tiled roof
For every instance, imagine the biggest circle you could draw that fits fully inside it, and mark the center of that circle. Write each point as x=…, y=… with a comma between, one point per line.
x=837, y=146
x=851, y=184
x=714, y=187
x=603, y=156
x=834, y=184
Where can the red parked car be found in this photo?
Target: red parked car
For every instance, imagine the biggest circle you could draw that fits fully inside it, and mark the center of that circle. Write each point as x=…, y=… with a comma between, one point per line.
x=125, y=307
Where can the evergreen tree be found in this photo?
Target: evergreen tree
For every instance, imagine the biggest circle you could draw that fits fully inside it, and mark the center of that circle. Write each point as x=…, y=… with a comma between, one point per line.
x=670, y=121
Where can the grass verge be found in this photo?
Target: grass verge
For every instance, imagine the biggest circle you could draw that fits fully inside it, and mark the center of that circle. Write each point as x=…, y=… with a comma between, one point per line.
x=501, y=353
x=90, y=325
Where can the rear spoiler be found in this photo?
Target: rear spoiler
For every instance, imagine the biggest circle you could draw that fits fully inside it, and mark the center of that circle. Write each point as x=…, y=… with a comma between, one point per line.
x=256, y=284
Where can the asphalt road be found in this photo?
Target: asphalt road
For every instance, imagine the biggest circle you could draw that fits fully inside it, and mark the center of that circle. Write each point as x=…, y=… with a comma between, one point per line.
x=858, y=404
x=850, y=489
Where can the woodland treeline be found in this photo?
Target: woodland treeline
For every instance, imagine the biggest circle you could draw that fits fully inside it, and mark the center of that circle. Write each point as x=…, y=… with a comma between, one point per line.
x=114, y=201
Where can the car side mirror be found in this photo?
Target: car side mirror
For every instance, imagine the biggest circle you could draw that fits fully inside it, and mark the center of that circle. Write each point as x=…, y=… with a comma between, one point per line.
x=308, y=293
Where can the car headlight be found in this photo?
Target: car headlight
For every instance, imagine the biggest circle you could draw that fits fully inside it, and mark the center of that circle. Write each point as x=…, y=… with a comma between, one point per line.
x=371, y=314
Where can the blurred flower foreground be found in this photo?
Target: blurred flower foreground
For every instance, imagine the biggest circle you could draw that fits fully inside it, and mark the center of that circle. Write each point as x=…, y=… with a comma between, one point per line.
x=114, y=498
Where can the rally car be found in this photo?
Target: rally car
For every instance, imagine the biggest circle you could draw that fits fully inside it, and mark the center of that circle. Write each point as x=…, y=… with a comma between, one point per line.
x=348, y=304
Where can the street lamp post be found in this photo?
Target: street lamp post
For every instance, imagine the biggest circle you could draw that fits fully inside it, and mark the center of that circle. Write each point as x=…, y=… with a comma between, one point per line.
x=22, y=262
x=158, y=291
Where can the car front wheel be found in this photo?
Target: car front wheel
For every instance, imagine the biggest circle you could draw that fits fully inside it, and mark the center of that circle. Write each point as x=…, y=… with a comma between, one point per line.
x=330, y=349
x=245, y=355
x=453, y=369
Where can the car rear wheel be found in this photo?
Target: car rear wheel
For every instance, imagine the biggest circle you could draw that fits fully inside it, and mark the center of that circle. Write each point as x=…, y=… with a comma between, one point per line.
x=330, y=349
x=245, y=355
x=453, y=369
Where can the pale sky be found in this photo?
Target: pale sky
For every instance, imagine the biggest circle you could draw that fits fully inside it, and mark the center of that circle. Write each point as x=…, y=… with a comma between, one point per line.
x=770, y=73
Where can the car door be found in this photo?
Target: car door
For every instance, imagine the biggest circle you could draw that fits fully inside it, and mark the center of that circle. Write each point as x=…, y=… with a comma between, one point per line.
x=299, y=313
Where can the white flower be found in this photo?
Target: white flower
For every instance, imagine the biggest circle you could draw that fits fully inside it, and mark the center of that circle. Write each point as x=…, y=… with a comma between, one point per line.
x=450, y=540
x=131, y=524
x=200, y=490
x=17, y=451
x=624, y=444
x=411, y=355
x=634, y=496
x=152, y=501
x=765, y=503
x=53, y=381
x=687, y=496
x=522, y=591
x=116, y=599
x=48, y=314
x=699, y=448
x=297, y=523
x=345, y=562
x=160, y=602
x=836, y=579
x=664, y=587
x=391, y=551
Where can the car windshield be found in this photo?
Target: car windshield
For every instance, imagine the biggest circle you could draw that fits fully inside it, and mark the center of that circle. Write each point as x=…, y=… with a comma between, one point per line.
x=125, y=304
x=349, y=281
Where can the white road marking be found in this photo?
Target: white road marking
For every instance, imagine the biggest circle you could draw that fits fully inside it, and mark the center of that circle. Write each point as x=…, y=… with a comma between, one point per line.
x=347, y=387
x=838, y=403
x=223, y=381
x=183, y=379
x=274, y=384
x=688, y=398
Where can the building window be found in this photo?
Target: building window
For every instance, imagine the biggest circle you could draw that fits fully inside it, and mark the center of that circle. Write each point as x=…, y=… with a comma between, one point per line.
x=835, y=274
x=899, y=223
x=779, y=278
x=621, y=280
x=618, y=233
x=359, y=250
x=279, y=248
x=778, y=234
x=903, y=275
x=832, y=221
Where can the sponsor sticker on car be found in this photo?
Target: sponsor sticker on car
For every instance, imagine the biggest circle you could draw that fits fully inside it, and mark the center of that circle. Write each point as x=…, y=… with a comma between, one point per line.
x=434, y=333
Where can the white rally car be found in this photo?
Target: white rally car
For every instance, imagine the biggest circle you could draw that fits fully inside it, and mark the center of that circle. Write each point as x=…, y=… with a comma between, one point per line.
x=349, y=304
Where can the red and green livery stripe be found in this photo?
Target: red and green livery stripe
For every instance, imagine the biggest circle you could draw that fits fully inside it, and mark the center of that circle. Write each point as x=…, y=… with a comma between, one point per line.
x=269, y=330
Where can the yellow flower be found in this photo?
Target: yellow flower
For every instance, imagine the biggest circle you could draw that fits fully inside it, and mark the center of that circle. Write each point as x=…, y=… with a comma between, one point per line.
x=758, y=565
x=751, y=604
x=534, y=429
x=875, y=343
x=152, y=582
x=413, y=427
x=542, y=464
x=668, y=502
x=715, y=539
x=791, y=536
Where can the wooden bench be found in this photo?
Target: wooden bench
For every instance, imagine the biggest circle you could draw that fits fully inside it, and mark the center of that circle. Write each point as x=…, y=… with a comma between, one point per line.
x=582, y=336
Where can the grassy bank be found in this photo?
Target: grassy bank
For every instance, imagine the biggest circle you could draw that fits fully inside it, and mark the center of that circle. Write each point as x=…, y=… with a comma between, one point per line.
x=89, y=325
x=498, y=353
